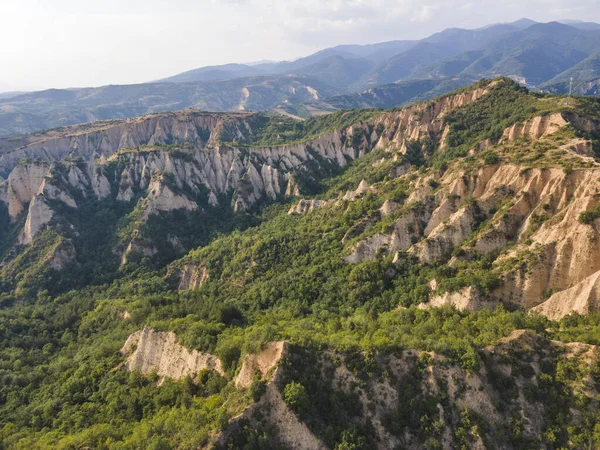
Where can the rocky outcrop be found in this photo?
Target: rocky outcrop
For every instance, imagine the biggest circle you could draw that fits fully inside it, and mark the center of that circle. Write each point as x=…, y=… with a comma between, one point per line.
x=151, y=351
x=271, y=411
x=22, y=184
x=261, y=364
x=467, y=299
x=136, y=247
x=192, y=277
x=564, y=248
x=446, y=236
x=306, y=206
x=407, y=230
x=63, y=256
x=202, y=171
x=421, y=120
x=388, y=207
x=534, y=128
x=38, y=217
x=101, y=139
x=539, y=211
x=362, y=189
x=162, y=198
x=583, y=298
x=418, y=376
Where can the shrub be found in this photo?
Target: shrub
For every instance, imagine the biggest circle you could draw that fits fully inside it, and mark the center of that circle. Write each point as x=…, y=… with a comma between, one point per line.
x=588, y=217
x=490, y=158
x=295, y=396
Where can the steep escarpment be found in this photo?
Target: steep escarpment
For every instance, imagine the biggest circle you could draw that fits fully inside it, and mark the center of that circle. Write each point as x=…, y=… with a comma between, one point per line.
x=510, y=199
x=505, y=209
x=101, y=139
x=484, y=403
x=451, y=405
x=180, y=162
x=150, y=351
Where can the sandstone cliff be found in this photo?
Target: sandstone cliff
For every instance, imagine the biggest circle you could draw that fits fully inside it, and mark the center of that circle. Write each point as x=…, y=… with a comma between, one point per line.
x=489, y=395
x=153, y=351
x=534, y=209
x=131, y=159
x=261, y=363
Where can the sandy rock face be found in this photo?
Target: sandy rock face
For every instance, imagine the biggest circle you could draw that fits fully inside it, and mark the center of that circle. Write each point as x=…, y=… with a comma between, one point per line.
x=583, y=298
x=162, y=198
x=192, y=277
x=474, y=390
x=291, y=432
x=261, y=363
x=63, y=256
x=534, y=128
x=156, y=351
x=101, y=139
x=467, y=299
x=38, y=216
x=271, y=408
x=205, y=167
x=445, y=237
x=540, y=209
x=306, y=206
x=22, y=184
x=417, y=121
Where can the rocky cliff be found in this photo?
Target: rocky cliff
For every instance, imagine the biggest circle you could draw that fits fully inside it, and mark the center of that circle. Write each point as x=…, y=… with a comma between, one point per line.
x=403, y=288
x=150, y=351
x=196, y=162
x=178, y=161
x=483, y=401
x=507, y=210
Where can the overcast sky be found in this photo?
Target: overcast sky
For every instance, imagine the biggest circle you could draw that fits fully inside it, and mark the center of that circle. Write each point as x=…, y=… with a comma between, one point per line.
x=73, y=43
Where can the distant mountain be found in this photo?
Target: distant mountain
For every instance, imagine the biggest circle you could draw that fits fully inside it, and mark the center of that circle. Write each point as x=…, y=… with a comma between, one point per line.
x=61, y=107
x=538, y=55
x=400, y=66
x=581, y=25
x=213, y=73
x=586, y=78
x=338, y=70
x=10, y=94
x=386, y=96
x=529, y=51
x=533, y=55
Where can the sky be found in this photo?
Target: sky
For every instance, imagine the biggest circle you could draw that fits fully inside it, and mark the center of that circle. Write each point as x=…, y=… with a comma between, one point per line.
x=77, y=43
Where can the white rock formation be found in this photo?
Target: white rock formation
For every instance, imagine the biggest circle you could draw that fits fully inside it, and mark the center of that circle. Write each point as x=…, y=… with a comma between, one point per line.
x=157, y=351
x=306, y=206
x=261, y=363
x=38, y=216
x=192, y=277
x=583, y=298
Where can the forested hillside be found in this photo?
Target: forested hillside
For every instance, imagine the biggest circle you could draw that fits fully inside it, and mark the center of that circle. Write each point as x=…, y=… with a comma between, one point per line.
x=422, y=277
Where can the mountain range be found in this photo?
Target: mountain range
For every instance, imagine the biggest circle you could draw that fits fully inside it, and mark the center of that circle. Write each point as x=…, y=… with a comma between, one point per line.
x=539, y=55
x=422, y=277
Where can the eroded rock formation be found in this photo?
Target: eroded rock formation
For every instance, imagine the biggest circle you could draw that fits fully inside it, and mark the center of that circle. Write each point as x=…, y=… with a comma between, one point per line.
x=151, y=351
